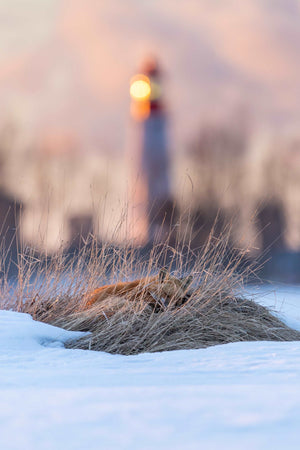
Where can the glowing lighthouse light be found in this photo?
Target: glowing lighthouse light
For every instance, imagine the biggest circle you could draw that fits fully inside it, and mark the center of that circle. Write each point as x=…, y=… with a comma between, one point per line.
x=140, y=91
x=140, y=88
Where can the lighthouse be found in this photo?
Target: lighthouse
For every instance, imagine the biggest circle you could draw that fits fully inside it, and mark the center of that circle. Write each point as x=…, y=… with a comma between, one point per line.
x=152, y=195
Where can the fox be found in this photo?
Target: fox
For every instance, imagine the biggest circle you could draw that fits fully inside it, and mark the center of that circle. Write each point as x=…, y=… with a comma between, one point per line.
x=160, y=291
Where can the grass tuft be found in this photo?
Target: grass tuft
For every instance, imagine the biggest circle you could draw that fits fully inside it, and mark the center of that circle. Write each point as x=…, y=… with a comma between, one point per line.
x=212, y=311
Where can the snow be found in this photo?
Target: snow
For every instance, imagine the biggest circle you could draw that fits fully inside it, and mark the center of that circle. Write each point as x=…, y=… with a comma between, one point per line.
x=235, y=396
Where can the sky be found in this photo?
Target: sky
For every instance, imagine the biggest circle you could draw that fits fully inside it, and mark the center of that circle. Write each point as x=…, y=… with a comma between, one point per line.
x=65, y=65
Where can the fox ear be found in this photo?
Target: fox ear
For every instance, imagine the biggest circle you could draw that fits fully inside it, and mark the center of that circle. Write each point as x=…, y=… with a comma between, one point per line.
x=162, y=274
x=187, y=281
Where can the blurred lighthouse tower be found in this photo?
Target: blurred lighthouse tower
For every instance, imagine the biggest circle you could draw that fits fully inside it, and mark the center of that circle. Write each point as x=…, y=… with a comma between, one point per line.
x=152, y=199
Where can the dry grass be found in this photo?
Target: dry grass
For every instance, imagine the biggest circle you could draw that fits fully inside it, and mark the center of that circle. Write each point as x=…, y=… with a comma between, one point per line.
x=213, y=310
x=204, y=321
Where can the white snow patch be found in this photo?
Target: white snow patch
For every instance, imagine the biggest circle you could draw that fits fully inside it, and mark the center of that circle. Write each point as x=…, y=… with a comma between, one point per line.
x=20, y=332
x=234, y=396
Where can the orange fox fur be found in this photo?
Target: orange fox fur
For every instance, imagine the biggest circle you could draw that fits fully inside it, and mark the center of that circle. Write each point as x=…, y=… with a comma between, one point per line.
x=159, y=290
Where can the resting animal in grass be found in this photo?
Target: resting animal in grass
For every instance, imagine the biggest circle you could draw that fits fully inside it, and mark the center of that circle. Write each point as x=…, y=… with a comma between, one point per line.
x=160, y=291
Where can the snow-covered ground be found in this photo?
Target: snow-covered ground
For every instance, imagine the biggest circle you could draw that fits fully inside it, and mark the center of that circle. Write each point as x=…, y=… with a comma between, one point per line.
x=235, y=396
